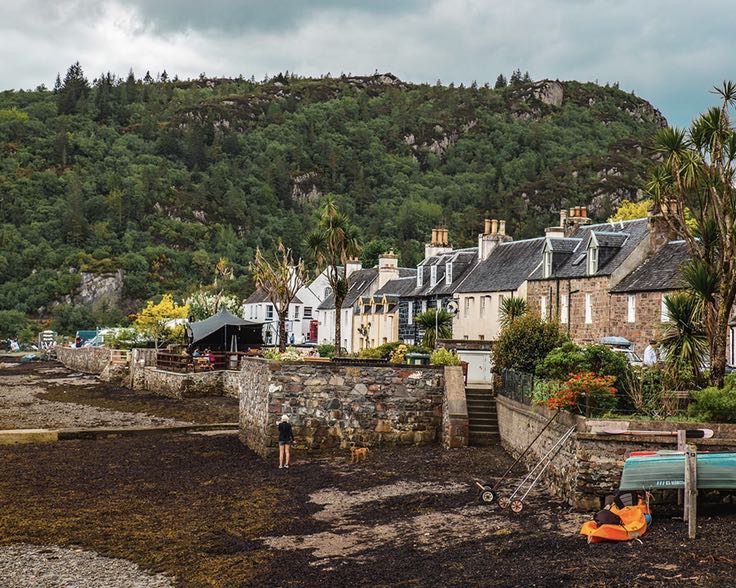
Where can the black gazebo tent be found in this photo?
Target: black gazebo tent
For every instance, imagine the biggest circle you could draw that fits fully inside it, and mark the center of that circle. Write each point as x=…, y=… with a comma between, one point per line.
x=225, y=332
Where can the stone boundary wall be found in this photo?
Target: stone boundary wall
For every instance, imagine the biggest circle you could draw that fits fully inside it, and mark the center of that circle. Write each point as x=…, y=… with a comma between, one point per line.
x=589, y=467
x=332, y=405
x=182, y=385
x=90, y=360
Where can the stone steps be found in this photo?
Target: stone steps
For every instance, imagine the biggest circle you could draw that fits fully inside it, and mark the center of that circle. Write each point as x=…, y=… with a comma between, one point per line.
x=482, y=417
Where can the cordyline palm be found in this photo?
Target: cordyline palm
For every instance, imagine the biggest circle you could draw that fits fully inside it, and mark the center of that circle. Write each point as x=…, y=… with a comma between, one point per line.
x=333, y=242
x=511, y=309
x=280, y=279
x=697, y=172
x=436, y=325
x=684, y=340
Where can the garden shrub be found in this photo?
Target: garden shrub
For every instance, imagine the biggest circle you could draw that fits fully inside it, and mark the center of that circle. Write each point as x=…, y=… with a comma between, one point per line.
x=716, y=404
x=585, y=392
x=326, y=350
x=526, y=342
x=444, y=357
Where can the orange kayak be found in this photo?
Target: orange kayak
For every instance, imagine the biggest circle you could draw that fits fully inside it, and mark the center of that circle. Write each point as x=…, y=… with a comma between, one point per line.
x=634, y=524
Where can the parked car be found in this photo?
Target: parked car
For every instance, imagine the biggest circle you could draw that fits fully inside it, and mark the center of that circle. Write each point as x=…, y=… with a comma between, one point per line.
x=622, y=345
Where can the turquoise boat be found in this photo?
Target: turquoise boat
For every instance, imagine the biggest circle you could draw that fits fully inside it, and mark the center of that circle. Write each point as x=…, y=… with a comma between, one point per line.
x=666, y=469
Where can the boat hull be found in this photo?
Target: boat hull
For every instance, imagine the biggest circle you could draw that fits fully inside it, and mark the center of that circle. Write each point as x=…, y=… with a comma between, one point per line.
x=666, y=469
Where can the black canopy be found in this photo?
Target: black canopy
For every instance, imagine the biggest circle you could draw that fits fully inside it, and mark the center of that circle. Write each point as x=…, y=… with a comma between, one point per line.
x=217, y=332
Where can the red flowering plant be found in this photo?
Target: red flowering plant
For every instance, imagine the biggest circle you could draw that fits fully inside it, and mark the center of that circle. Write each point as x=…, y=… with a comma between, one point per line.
x=584, y=392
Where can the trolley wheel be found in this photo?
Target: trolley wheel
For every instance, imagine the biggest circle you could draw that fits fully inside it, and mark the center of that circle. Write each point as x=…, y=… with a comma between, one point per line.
x=488, y=496
x=517, y=506
x=504, y=502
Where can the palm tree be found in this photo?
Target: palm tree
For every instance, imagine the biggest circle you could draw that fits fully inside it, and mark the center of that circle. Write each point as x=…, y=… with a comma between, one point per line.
x=693, y=187
x=333, y=242
x=436, y=325
x=684, y=340
x=511, y=309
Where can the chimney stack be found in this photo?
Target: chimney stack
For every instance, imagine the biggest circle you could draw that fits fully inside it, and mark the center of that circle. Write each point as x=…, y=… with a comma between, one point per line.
x=388, y=268
x=439, y=244
x=353, y=265
x=660, y=231
x=494, y=232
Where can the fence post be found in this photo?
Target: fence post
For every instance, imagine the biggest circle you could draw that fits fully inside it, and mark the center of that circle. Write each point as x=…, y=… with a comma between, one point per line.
x=691, y=490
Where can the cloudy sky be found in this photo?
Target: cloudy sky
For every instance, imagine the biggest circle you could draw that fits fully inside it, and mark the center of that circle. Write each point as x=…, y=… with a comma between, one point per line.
x=668, y=51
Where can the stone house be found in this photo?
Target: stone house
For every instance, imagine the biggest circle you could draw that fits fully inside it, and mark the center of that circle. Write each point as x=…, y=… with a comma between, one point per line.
x=637, y=309
x=437, y=277
x=572, y=283
x=501, y=272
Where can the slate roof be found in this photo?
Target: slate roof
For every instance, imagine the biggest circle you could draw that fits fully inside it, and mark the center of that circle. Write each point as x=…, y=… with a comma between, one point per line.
x=360, y=281
x=398, y=287
x=507, y=267
x=660, y=271
x=628, y=235
x=261, y=296
x=462, y=260
x=564, y=245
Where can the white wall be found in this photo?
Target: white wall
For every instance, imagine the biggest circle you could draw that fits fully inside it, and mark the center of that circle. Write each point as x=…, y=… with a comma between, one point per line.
x=484, y=325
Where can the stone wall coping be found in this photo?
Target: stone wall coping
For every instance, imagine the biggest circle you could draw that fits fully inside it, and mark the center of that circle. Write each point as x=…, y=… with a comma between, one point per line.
x=655, y=439
x=275, y=363
x=542, y=413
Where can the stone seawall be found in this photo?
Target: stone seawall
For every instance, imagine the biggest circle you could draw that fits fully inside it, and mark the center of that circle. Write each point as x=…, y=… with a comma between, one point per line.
x=182, y=385
x=333, y=405
x=589, y=466
x=90, y=360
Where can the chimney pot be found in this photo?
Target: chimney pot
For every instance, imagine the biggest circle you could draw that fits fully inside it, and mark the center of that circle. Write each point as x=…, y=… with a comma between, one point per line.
x=446, y=234
x=584, y=211
x=487, y=226
x=502, y=227
x=434, y=237
x=494, y=226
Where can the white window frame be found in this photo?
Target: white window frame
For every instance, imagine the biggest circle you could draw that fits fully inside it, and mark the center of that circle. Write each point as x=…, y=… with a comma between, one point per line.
x=410, y=312
x=631, y=308
x=432, y=276
x=419, y=276
x=269, y=312
x=483, y=306
x=448, y=273
x=424, y=306
x=469, y=303
x=564, y=315
x=296, y=312
x=543, y=307
x=547, y=271
x=664, y=315
x=307, y=312
x=592, y=260
x=501, y=298
x=588, y=309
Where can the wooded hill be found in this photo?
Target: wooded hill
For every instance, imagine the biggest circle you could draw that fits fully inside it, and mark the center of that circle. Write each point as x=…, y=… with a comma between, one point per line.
x=161, y=178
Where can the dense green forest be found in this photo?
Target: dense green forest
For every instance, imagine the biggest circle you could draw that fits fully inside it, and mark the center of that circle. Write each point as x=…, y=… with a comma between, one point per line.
x=162, y=177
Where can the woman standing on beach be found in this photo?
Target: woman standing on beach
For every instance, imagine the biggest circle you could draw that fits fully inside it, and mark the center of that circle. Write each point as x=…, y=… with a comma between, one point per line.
x=286, y=438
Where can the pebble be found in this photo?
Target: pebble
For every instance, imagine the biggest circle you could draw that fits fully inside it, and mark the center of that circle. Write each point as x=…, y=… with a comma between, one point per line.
x=48, y=566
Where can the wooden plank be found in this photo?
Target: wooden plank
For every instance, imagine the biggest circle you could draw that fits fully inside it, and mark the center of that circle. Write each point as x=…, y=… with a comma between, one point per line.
x=681, y=446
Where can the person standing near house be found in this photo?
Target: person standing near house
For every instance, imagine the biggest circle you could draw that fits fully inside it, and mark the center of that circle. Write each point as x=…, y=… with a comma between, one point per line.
x=650, y=354
x=286, y=438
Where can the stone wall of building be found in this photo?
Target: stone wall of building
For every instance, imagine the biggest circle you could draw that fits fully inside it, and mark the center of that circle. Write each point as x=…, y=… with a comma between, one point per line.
x=580, y=331
x=589, y=466
x=648, y=314
x=90, y=360
x=337, y=405
x=231, y=383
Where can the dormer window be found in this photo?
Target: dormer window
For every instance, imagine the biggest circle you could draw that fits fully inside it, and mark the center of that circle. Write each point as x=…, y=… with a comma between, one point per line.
x=432, y=276
x=448, y=273
x=592, y=260
x=547, y=265
x=419, y=276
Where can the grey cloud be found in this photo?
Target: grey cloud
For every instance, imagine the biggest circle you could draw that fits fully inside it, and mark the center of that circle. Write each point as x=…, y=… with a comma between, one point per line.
x=254, y=15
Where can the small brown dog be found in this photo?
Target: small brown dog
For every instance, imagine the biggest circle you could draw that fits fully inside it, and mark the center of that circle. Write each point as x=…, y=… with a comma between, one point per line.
x=358, y=454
